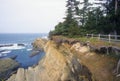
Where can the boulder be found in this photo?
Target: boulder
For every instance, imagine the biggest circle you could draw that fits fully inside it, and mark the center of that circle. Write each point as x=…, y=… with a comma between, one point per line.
x=7, y=66
x=14, y=57
x=21, y=44
x=106, y=49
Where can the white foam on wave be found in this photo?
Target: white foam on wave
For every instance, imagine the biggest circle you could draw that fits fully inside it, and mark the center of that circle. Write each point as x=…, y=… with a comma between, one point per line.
x=13, y=47
x=1, y=54
x=5, y=52
x=29, y=49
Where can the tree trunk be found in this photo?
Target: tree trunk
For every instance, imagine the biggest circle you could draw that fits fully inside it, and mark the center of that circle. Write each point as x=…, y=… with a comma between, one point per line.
x=116, y=3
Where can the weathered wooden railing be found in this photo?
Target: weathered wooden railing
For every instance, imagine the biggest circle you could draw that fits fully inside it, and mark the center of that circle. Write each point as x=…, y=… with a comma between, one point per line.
x=110, y=38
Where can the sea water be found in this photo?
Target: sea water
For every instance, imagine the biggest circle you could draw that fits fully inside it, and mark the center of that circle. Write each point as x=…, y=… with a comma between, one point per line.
x=20, y=45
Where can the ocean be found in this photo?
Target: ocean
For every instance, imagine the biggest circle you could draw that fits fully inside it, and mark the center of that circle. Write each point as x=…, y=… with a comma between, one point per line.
x=20, y=45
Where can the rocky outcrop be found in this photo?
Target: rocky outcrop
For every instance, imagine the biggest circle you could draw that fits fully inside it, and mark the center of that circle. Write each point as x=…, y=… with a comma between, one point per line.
x=68, y=60
x=7, y=66
x=39, y=44
x=60, y=39
x=59, y=64
x=105, y=49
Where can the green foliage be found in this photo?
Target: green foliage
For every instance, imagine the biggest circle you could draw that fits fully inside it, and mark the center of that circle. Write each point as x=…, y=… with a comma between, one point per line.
x=66, y=28
x=70, y=26
x=103, y=19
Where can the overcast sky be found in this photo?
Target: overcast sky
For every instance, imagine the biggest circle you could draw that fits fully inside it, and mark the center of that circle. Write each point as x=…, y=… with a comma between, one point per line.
x=30, y=16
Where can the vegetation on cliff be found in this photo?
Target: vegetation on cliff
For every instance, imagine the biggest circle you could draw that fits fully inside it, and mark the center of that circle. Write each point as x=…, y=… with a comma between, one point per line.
x=68, y=59
x=93, y=18
x=96, y=55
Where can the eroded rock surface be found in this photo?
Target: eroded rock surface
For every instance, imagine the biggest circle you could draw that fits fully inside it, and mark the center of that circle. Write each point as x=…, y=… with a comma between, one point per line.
x=57, y=65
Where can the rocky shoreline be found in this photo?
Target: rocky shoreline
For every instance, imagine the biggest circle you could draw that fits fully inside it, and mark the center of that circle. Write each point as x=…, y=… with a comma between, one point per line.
x=7, y=67
x=67, y=60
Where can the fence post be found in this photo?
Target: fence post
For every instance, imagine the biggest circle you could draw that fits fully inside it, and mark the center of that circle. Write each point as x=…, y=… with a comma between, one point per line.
x=109, y=36
x=92, y=35
x=99, y=36
x=87, y=35
x=115, y=37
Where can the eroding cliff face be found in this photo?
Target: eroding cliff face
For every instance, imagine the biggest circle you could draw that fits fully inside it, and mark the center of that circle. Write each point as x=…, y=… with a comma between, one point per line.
x=68, y=60
x=39, y=44
x=59, y=64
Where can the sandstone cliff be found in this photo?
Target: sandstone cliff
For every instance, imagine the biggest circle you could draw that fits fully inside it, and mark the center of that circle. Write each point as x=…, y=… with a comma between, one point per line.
x=70, y=61
x=57, y=65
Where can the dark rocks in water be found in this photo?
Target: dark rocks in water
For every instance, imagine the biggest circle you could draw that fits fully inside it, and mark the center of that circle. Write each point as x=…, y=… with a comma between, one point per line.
x=7, y=66
x=21, y=44
x=14, y=57
x=2, y=51
x=9, y=45
x=6, y=45
x=34, y=53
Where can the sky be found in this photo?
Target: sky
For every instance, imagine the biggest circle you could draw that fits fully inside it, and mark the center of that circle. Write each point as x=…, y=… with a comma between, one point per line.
x=30, y=16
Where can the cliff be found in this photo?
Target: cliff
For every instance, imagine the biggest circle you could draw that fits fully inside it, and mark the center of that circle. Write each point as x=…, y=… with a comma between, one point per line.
x=68, y=60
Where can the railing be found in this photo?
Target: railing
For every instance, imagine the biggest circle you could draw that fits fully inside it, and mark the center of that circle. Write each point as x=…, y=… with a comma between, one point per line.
x=110, y=38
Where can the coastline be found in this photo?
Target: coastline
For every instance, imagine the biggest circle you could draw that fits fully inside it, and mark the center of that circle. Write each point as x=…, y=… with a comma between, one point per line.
x=68, y=60
x=15, y=53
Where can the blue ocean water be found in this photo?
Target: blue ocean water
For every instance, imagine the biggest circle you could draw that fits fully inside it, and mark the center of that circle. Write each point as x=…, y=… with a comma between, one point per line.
x=22, y=51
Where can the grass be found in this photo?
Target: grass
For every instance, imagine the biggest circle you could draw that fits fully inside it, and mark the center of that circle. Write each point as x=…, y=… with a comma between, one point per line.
x=93, y=41
x=97, y=42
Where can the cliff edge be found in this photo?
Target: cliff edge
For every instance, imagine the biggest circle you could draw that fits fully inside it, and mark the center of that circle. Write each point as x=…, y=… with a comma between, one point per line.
x=56, y=65
x=68, y=60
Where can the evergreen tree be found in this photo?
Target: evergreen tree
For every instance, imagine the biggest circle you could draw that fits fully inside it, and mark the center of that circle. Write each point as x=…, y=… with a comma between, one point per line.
x=69, y=27
x=102, y=18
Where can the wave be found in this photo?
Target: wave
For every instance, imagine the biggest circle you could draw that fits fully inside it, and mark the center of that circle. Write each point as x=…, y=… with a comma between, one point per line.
x=29, y=49
x=2, y=55
x=12, y=46
x=5, y=52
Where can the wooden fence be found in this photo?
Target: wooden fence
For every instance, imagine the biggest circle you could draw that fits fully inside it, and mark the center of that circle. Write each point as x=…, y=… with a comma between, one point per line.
x=110, y=38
